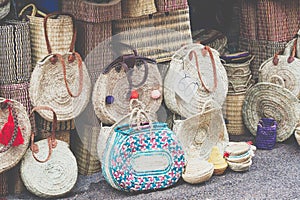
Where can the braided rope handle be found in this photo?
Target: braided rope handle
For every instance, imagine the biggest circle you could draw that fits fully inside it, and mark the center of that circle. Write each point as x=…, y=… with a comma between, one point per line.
x=52, y=143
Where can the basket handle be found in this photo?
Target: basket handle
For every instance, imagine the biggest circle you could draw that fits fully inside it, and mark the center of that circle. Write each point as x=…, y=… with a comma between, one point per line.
x=52, y=143
x=237, y=88
x=194, y=54
x=275, y=76
x=7, y=103
x=34, y=12
x=206, y=104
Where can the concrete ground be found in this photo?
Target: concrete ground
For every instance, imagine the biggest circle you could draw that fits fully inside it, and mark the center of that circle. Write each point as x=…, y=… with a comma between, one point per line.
x=274, y=174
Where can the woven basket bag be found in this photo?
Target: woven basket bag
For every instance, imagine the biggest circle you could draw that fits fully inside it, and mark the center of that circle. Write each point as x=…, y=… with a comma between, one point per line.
x=195, y=75
x=203, y=130
x=116, y=85
x=15, y=54
x=4, y=8
x=291, y=44
x=141, y=159
x=49, y=168
x=10, y=152
x=156, y=37
x=170, y=5
x=60, y=33
x=138, y=8
x=268, y=100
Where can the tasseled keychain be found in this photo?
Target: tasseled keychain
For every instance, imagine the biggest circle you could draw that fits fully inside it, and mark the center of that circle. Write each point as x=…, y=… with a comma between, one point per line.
x=7, y=131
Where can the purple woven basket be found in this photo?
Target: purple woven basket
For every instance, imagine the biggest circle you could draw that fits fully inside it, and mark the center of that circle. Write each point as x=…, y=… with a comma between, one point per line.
x=266, y=133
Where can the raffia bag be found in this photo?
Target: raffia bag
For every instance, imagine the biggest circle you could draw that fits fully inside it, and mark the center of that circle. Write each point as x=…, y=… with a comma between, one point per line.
x=49, y=168
x=142, y=157
x=129, y=76
x=60, y=33
x=66, y=73
x=195, y=76
x=268, y=100
x=138, y=8
x=170, y=5
x=15, y=54
x=203, y=131
x=156, y=37
x=4, y=8
x=15, y=133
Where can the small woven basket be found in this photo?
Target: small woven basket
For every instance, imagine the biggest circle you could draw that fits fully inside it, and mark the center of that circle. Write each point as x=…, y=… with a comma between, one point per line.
x=138, y=8
x=170, y=5
x=266, y=134
x=4, y=8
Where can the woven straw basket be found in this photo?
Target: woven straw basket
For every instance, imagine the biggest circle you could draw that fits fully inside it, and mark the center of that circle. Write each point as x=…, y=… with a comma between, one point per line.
x=268, y=100
x=4, y=8
x=170, y=5
x=290, y=46
x=156, y=37
x=202, y=83
x=203, y=131
x=297, y=135
x=13, y=155
x=49, y=168
x=138, y=8
x=15, y=54
x=44, y=125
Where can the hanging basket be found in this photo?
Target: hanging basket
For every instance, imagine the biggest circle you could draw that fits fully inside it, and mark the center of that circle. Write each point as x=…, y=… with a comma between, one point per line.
x=268, y=100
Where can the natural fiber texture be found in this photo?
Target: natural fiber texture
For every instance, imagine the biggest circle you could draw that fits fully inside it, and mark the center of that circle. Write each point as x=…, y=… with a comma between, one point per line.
x=4, y=9
x=15, y=183
x=93, y=12
x=284, y=73
x=60, y=135
x=289, y=46
x=15, y=54
x=237, y=148
x=212, y=38
x=138, y=8
x=261, y=50
x=104, y=134
x=3, y=184
x=297, y=135
x=203, y=131
x=216, y=158
x=266, y=133
x=13, y=155
x=240, y=167
x=203, y=84
x=47, y=76
x=42, y=124
x=54, y=178
x=269, y=20
x=84, y=146
x=268, y=100
x=156, y=37
x=233, y=115
x=170, y=5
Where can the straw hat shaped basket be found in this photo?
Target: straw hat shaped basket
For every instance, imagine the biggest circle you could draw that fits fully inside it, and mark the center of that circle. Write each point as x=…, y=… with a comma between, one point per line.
x=283, y=70
x=204, y=130
x=146, y=158
x=268, y=100
x=4, y=8
x=49, y=168
x=61, y=82
x=129, y=76
x=15, y=133
x=195, y=75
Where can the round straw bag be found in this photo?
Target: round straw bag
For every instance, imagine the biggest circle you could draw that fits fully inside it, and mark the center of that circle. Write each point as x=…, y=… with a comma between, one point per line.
x=49, y=168
x=66, y=73
x=283, y=70
x=268, y=100
x=12, y=147
x=137, y=8
x=129, y=76
x=195, y=75
x=4, y=8
x=203, y=130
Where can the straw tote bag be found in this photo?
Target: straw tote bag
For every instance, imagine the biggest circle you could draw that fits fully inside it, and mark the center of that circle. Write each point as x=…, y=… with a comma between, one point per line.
x=4, y=8
x=49, y=168
x=129, y=76
x=283, y=70
x=268, y=100
x=142, y=157
x=60, y=33
x=195, y=75
x=14, y=134
x=201, y=132
x=66, y=73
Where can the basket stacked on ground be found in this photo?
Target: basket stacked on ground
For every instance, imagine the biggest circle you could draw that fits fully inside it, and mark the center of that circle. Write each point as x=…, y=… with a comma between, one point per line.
x=239, y=80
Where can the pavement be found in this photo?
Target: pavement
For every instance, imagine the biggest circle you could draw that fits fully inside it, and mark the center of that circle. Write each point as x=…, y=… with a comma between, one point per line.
x=274, y=174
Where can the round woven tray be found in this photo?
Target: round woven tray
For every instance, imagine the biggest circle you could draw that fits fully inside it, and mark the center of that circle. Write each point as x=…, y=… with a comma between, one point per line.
x=268, y=100
x=13, y=155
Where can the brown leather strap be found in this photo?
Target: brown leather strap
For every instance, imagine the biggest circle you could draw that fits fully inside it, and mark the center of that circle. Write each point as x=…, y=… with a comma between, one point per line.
x=72, y=45
x=193, y=53
x=51, y=139
x=292, y=56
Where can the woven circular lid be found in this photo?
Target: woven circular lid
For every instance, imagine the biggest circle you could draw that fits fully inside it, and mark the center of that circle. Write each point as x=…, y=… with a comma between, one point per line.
x=48, y=87
x=268, y=100
x=237, y=148
x=239, y=158
x=195, y=75
x=53, y=178
x=10, y=157
x=284, y=73
x=239, y=167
